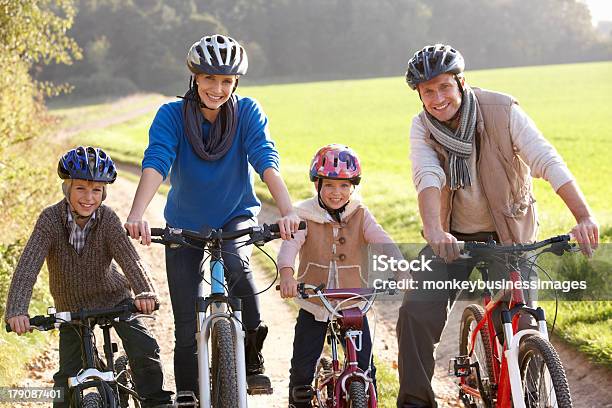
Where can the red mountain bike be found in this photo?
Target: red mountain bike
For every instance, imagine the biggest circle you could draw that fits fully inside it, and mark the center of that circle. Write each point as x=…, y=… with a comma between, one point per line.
x=524, y=372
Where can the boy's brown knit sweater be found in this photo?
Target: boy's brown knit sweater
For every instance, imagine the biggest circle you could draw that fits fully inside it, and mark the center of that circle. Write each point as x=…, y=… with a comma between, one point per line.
x=89, y=280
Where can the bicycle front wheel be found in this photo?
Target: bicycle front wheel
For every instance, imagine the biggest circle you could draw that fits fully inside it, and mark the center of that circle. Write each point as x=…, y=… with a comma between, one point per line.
x=483, y=355
x=542, y=375
x=92, y=400
x=224, y=380
x=124, y=379
x=357, y=395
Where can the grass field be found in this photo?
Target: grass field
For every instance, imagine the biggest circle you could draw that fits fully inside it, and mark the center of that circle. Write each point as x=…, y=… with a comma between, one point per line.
x=569, y=103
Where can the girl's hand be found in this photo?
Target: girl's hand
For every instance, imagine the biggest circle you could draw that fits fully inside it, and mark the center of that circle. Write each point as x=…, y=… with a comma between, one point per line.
x=288, y=284
x=138, y=228
x=288, y=224
x=20, y=324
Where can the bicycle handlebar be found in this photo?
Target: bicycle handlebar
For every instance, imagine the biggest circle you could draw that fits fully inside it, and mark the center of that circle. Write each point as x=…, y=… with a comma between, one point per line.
x=54, y=319
x=558, y=245
x=367, y=295
x=259, y=234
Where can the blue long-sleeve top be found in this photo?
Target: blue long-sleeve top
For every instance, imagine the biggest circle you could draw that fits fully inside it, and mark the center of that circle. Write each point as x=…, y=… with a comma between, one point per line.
x=210, y=193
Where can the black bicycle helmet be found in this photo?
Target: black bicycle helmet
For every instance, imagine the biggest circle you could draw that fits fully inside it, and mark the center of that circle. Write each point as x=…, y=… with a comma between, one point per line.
x=217, y=55
x=432, y=61
x=87, y=163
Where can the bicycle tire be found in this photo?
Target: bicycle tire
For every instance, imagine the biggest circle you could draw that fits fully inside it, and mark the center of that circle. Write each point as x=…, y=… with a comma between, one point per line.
x=92, y=400
x=224, y=381
x=357, y=395
x=124, y=377
x=322, y=372
x=483, y=353
x=536, y=355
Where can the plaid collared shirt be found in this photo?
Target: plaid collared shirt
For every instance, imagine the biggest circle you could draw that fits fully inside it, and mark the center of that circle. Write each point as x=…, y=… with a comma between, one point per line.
x=77, y=235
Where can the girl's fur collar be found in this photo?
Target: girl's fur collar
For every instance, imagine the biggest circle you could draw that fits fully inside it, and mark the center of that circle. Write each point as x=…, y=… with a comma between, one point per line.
x=311, y=210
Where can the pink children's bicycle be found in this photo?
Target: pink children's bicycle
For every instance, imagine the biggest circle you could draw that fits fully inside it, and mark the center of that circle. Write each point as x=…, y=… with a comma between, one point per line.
x=341, y=385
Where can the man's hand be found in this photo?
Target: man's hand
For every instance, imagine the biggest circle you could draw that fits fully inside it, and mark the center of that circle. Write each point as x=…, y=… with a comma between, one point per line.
x=288, y=284
x=586, y=233
x=20, y=324
x=443, y=245
x=288, y=225
x=145, y=305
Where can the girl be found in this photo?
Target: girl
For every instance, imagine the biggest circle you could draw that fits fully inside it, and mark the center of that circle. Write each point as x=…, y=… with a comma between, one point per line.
x=332, y=251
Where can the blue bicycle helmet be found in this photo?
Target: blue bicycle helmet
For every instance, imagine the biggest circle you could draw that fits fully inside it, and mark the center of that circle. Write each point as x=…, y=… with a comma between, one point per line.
x=432, y=61
x=87, y=163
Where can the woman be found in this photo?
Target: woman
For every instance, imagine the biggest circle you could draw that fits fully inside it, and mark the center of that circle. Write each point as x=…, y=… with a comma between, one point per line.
x=210, y=143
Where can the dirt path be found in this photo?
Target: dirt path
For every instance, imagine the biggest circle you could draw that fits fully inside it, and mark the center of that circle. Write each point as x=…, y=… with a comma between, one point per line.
x=590, y=386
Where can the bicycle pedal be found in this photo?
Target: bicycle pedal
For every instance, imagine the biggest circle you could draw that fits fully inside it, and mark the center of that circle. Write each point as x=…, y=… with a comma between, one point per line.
x=185, y=399
x=258, y=384
x=260, y=391
x=461, y=366
x=303, y=393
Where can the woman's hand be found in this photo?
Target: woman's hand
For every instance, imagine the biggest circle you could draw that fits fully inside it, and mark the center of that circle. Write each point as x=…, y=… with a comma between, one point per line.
x=288, y=224
x=288, y=284
x=138, y=228
x=20, y=324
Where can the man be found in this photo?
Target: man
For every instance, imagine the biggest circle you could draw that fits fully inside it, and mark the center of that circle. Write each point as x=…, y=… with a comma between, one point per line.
x=473, y=154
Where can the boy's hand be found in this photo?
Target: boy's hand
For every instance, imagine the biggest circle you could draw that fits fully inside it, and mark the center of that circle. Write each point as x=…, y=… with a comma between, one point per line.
x=288, y=284
x=138, y=228
x=145, y=305
x=288, y=224
x=20, y=324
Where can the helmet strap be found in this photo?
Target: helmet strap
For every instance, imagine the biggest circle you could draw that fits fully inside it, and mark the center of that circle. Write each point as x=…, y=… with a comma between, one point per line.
x=336, y=214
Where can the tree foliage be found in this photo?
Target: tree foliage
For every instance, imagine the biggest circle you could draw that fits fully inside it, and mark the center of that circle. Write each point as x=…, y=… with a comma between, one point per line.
x=31, y=32
x=141, y=44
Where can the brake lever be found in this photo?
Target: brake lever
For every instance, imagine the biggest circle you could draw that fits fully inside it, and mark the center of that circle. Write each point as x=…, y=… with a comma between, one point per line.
x=136, y=316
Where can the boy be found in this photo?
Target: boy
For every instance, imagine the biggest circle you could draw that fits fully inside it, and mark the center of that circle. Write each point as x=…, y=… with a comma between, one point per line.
x=79, y=238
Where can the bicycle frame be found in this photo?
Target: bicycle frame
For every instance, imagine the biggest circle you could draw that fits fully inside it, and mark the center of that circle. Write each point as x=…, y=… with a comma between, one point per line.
x=217, y=306
x=506, y=372
x=350, y=322
x=91, y=376
x=94, y=372
x=218, y=302
x=341, y=379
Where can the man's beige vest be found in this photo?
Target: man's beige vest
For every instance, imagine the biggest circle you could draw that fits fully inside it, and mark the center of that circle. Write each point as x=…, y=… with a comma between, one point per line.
x=348, y=249
x=504, y=177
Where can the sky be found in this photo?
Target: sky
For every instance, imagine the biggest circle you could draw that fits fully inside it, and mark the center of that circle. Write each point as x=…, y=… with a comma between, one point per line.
x=601, y=10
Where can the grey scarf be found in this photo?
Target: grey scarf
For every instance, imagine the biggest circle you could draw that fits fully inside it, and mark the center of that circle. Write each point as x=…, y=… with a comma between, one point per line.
x=219, y=140
x=458, y=143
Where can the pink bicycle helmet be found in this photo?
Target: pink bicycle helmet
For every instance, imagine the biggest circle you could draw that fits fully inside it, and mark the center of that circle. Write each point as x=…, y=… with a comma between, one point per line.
x=337, y=162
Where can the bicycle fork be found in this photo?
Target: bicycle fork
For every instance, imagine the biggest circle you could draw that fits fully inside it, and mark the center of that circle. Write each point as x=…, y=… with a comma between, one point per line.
x=218, y=304
x=512, y=352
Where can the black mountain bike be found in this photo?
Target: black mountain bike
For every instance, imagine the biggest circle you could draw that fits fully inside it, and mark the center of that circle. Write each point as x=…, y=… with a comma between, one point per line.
x=101, y=383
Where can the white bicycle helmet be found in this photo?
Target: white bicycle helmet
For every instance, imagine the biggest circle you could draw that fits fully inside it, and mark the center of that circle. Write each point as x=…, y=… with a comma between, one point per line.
x=217, y=55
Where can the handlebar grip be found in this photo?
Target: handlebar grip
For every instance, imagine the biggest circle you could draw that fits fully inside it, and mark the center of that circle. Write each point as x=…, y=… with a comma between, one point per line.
x=274, y=227
x=157, y=232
